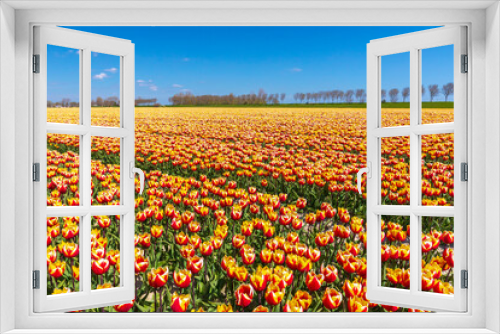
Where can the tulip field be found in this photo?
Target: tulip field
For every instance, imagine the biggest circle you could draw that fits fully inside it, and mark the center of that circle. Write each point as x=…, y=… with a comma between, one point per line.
x=249, y=209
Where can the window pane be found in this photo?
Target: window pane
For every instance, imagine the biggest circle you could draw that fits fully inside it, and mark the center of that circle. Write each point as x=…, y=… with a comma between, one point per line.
x=395, y=252
x=63, y=85
x=105, y=93
x=105, y=248
x=63, y=170
x=395, y=170
x=63, y=268
x=395, y=94
x=437, y=169
x=437, y=84
x=105, y=170
x=437, y=254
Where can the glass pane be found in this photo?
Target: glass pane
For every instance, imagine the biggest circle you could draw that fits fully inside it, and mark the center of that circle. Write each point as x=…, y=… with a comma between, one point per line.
x=437, y=254
x=63, y=261
x=63, y=85
x=105, y=248
x=437, y=169
x=105, y=90
x=395, y=170
x=63, y=170
x=395, y=252
x=395, y=94
x=105, y=170
x=437, y=84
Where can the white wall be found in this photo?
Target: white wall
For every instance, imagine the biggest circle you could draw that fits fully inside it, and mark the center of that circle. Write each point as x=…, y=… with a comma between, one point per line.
x=492, y=164
x=7, y=160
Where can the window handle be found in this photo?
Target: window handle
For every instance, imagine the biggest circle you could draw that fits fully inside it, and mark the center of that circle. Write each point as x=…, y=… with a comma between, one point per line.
x=135, y=170
x=368, y=171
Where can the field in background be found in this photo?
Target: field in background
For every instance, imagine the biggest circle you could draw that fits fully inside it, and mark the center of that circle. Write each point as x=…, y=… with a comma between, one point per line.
x=250, y=209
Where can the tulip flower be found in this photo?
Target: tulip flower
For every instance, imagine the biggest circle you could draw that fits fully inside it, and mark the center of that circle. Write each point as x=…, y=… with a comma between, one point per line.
x=59, y=291
x=206, y=248
x=227, y=261
x=274, y=294
x=260, y=308
x=301, y=203
x=113, y=256
x=156, y=231
x=314, y=281
x=158, y=277
x=187, y=217
x=70, y=249
x=224, y=308
x=195, y=264
x=259, y=280
x=123, y=307
x=51, y=254
x=332, y=298
x=182, y=278
x=304, y=298
x=293, y=306
x=75, y=273
x=236, y=212
x=330, y=273
x=357, y=304
x=145, y=240
x=248, y=257
x=244, y=295
x=352, y=288
x=100, y=266
x=56, y=269
x=141, y=264
x=180, y=303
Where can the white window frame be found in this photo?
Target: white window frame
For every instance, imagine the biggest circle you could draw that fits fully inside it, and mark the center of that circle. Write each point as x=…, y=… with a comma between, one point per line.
x=484, y=50
x=414, y=43
x=86, y=43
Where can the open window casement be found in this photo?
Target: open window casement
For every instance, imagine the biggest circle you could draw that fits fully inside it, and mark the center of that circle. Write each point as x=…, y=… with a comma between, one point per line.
x=74, y=222
x=418, y=295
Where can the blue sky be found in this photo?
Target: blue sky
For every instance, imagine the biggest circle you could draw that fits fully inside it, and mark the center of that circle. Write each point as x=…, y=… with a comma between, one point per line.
x=241, y=60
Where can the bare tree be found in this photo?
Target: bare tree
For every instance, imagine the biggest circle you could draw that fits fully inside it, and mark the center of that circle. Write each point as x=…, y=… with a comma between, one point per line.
x=340, y=96
x=282, y=97
x=423, y=90
x=405, y=93
x=335, y=94
x=99, y=101
x=360, y=93
x=383, y=94
x=348, y=96
x=433, y=91
x=393, y=94
x=447, y=90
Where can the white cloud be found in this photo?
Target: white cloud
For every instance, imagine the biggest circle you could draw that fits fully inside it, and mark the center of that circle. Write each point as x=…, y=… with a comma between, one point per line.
x=177, y=86
x=100, y=76
x=149, y=84
x=111, y=70
x=185, y=90
x=295, y=69
x=186, y=59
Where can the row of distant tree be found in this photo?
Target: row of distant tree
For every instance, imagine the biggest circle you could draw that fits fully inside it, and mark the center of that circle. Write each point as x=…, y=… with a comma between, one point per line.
x=359, y=95
x=263, y=98
x=112, y=101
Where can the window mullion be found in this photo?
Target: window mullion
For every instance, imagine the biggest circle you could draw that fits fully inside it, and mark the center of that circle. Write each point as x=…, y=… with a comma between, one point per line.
x=85, y=170
x=414, y=170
